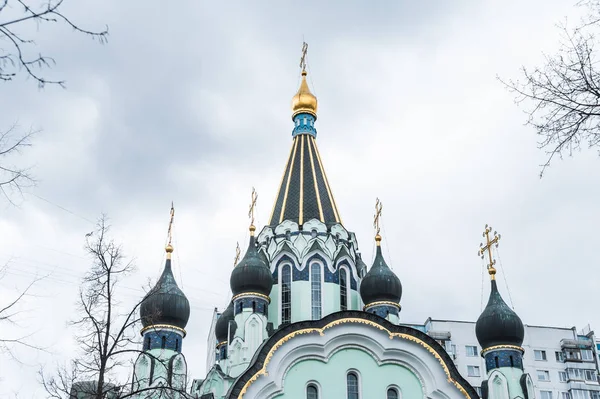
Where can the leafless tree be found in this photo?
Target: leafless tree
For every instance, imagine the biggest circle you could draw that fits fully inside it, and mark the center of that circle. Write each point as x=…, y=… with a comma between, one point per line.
x=14, y=57
x=9, y=314
x=106, y=332
x=14, y=178
x=562, y=97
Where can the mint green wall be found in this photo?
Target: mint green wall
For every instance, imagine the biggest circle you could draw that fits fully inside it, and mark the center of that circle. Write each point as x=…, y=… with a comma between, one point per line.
x=331, y=377
x=301, y=301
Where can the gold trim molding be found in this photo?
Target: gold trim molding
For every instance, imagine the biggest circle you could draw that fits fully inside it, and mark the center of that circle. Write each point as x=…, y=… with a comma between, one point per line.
x=382, y=303
x=496, y=347
x=245, y=294
x=221, y=343
x=159, y=326
x=321, y=331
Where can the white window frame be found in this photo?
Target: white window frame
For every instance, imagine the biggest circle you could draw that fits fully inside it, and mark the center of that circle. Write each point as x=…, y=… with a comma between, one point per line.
x=545, y=373
x=280, y=278
x=548, y=396
x=589, y=355
x=565, y=395
x=542, y=357
x=316, y=385
x=563, y=373
x=469, y=354
x=474, y=368
x=358, y=382
x=344, y=269
x=321, y=285
x=559, y=356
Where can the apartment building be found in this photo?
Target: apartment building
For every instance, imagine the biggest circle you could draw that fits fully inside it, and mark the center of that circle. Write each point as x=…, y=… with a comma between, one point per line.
x=562, y=362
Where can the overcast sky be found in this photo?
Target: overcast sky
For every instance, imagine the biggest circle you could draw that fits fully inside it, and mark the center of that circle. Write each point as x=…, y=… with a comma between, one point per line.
x=191, y=103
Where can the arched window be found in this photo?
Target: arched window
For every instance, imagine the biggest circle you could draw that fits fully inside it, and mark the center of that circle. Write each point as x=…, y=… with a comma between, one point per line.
x=392, y=393
x=286, y=294
x=315, y=290
x=352, y=385
x=343, y=289
x=312, y=392
x=177, y=345
x=147, y=345
x=163, y=342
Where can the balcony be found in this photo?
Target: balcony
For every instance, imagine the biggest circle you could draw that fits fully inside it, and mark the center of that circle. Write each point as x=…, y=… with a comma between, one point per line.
x=581, y=343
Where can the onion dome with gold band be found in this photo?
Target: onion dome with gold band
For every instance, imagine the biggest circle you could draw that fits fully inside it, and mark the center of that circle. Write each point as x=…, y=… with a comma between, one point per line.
x=251, y=275
x=381, y=289
x=164, y=309
x=500, y=332
x=225, y=324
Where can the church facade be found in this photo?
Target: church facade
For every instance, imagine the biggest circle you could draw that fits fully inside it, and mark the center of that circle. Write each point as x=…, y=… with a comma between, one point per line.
x=309, y=319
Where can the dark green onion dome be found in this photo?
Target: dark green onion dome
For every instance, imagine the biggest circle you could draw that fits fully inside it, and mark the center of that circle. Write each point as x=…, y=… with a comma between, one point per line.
x=498, y=324
x=380, y=283
x=165, y=303
x=223, y=324
x=251, y=275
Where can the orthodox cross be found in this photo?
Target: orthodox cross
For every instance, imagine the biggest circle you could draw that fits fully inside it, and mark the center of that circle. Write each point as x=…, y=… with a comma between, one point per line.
x=252, y=206
x=237, y=254
x=303, y=58
x=170, y=233
x=488, y=247
x=377, y=218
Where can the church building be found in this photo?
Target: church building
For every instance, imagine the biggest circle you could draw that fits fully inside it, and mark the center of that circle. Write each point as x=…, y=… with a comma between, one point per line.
x=310, y=320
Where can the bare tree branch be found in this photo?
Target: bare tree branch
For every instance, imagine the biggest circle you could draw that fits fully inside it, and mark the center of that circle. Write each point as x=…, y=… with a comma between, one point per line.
x=13, y=56
x=562, y=98
x=13, y=178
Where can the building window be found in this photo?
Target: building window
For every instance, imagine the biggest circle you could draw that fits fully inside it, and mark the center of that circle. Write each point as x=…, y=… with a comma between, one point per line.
x=590, y=375
x=147, y=345
x=560, y=357
x=586, y=354
x=286, y=294
x=352, y=385
x=312, y=392
x=545, y=394
x=471, y=350
x=392, y=393
x=177, y=345
x=565, y=395
x=543, y=375
x=573, y=355
x=163, y=342
x=562, y=376
x=575, y=374
x=595, y=394
x=343, y=289
x=315, y=290
x=473, y=371
x=579, y=394
x=539, y=355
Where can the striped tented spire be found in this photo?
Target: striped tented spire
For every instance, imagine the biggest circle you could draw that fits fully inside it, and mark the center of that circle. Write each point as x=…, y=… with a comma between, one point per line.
x=304, y=193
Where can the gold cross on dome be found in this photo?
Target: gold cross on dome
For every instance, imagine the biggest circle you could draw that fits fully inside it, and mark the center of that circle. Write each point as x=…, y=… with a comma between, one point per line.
x=170, y=231
x=377, y=218
x=303, y=58
x=237, y=254
x=252, y=206
x=488, y=248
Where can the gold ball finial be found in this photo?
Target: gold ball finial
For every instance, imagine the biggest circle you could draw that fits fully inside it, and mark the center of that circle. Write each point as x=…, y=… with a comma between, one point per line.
x=492, y=272
x=304, y=101
x=378, y=239
x=252, y=229
x=169, y=248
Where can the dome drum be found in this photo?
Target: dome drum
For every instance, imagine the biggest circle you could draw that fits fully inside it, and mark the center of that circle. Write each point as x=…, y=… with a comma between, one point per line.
x=163, y=338
x=257, y=304
x=503, y=357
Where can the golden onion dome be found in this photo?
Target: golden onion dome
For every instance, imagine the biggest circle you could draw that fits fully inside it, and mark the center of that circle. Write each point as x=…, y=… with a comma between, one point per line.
x=304, y=101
